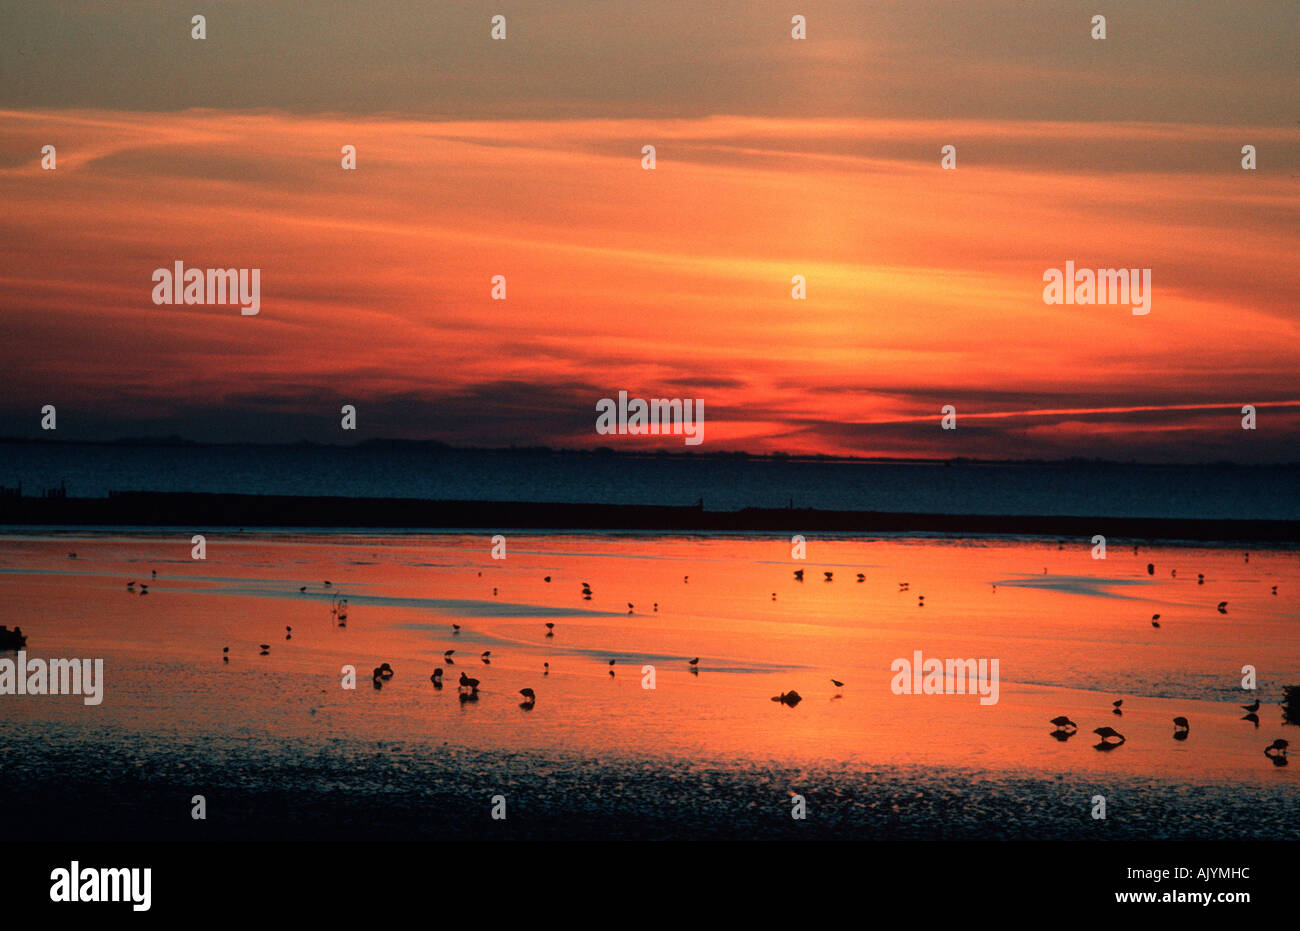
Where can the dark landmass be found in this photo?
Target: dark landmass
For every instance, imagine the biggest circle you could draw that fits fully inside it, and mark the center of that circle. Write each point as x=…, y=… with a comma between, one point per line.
x=436, y=446
x=197, y=511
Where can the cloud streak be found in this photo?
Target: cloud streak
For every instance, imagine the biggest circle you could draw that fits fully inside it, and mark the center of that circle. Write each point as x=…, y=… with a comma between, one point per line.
x=924, y=286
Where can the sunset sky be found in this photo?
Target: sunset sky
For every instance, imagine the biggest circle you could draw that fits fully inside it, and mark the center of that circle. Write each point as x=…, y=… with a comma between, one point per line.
x=775, y=158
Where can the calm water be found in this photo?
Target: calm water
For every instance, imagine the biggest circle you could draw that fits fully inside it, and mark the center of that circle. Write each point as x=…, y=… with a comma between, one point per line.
x=704, y=754
x=1109, y=490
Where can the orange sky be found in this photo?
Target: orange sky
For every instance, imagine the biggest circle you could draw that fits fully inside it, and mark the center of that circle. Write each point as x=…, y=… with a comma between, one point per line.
x=924, y=286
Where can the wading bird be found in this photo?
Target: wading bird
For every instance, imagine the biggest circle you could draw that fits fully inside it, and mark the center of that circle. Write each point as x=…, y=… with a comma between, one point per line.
x=1107, y=734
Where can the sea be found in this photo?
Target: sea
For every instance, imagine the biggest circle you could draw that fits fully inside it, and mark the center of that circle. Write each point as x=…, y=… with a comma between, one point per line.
x=380, y=470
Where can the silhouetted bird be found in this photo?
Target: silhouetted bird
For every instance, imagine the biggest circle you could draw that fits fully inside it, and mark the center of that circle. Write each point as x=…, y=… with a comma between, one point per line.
x=547, y=669
x=830, y=576
x=546, y=579
x=798, y=574
x=1180, y=722
x=1155, y=620
x=455, y=628
x=694, y=662
x=1108, y=733
x=790, y=698
x=862, y=577
x=327, y=583
x=1117, y=703
x=1276, y=751
x=1223, y=607
x=528, y=694
x=1063, y=722
x=302, y=588
x=837, y=683
x=1151, y=568
x=1252, y=707
x=467, y=683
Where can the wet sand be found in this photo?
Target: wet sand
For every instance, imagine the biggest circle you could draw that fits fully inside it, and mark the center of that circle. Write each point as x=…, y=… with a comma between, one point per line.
x=281, y=750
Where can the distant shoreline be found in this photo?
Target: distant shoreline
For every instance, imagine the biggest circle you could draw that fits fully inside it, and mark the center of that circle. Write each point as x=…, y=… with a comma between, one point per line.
x=199, y=510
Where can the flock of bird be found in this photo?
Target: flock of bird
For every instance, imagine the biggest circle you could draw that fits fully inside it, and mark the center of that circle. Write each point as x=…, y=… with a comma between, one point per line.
x=468, y=687
x=1111, y=738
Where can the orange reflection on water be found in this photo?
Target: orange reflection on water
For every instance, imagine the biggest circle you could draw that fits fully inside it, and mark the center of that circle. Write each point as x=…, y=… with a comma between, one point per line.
x=1070, y=634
